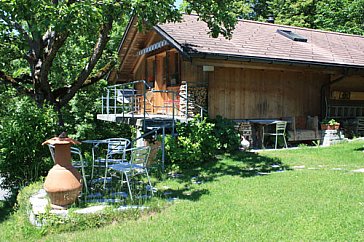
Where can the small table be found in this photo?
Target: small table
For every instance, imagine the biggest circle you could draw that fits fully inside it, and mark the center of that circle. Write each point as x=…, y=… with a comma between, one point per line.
x=259, y=125
x=95, y=144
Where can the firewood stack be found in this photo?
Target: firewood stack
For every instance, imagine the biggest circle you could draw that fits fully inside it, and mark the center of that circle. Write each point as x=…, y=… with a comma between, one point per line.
x=199, y=96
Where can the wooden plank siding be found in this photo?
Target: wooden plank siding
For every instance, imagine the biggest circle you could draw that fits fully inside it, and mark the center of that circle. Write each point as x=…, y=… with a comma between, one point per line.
x=238, y=93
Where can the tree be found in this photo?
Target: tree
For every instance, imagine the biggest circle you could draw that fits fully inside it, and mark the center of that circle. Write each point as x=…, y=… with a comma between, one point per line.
x=51, y=49
x=341, y=16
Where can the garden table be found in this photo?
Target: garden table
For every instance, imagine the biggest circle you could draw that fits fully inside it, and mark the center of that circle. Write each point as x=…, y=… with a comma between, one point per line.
x=259, y=126
x=95, y=144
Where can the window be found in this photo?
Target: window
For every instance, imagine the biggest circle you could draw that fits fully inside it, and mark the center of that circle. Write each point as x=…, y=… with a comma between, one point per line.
x=150, y=69
x=292, y=35
x=171, y=67
x=173, y=70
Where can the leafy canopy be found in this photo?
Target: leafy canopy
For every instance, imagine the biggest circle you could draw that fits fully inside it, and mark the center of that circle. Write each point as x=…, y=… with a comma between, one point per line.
x=51, y=49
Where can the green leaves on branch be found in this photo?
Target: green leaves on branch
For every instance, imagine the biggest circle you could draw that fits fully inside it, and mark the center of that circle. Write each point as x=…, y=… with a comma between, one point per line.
x=200, y=141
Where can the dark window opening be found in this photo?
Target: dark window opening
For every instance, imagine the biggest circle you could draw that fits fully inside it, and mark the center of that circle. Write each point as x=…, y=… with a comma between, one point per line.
x=292, y=35
x=172, y=69
x=150, y=70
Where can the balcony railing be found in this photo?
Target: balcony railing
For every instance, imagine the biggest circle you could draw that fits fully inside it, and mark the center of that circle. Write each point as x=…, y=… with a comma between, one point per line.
x=138, y=99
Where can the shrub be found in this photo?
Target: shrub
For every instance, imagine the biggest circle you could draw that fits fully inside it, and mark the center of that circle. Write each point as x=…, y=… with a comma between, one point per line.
x=195, y=143
x=228, y=138
x=22, y=131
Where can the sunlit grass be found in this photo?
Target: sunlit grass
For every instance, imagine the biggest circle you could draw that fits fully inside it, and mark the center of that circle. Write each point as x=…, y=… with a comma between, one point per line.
x=309, y=194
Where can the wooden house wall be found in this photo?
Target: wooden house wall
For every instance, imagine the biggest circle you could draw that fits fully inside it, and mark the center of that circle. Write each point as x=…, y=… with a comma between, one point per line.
x=238, y=93
x=352, y=83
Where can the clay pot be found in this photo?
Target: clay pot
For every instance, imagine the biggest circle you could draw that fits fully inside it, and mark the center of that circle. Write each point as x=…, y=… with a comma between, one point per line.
x=330, y=126
x=63, y=182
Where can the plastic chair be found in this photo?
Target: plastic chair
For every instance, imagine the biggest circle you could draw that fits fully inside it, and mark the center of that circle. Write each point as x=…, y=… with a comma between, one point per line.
x=279, y=131
x=136, y=166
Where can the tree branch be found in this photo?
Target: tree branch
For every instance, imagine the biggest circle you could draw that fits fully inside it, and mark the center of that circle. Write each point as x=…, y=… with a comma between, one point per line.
x=16, y=26
x=99, y=75
x=96, y=55
x=16, y=83
x=61, y=92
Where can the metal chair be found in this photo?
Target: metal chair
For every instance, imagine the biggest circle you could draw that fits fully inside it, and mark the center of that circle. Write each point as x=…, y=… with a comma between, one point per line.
x=280, y=130
x=137, y=165
x=360, y=126
x=52, y=150
x=116, y=151
x=79, y=163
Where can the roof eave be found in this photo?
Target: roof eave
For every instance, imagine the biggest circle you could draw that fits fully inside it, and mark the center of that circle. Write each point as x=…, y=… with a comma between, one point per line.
x=269, y=60
x=171, y=41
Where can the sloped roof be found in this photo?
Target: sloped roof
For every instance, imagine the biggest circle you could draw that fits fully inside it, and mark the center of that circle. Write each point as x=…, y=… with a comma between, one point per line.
x=257, y=41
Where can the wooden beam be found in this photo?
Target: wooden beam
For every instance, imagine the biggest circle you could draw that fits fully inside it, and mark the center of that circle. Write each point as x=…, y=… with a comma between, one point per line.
x=129, y=49
x=263, y=66
x=141, y=58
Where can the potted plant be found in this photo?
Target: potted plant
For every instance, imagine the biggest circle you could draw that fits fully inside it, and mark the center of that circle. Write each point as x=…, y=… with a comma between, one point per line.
x=330, y=124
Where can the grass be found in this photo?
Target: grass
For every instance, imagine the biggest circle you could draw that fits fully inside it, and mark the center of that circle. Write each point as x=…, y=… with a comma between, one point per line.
x=308, y=194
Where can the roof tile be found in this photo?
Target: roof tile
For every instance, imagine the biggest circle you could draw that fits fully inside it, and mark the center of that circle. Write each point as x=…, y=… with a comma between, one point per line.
x=261, y=40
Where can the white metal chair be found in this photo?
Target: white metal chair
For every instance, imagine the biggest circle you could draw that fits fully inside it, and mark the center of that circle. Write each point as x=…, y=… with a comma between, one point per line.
x=135, y=166
x=52, y=150
x=79, y=163
x=116, y=151
x=280, y=130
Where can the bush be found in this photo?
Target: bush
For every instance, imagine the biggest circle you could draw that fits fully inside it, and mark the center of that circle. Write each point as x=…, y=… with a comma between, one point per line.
x=228, y=138
x=24, y=126
x=22, y=130
x=195, y=143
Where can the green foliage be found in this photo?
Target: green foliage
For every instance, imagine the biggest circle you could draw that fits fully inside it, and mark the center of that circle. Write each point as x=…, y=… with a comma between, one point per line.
x=23, y=128
x=80, y=116
x=330, y=122
x=227, y=136
x=220, y=15
x=58, y=47
x=340, y=16
x=200, y=141
x=314, y=203
x=19, y=226
x=196, y=143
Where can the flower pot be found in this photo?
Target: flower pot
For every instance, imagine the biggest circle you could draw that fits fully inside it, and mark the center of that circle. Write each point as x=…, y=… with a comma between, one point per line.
x=63, y=183
x=330, y=126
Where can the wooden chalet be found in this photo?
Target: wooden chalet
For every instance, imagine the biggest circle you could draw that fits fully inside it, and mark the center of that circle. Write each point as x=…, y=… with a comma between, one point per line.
x=265, y=71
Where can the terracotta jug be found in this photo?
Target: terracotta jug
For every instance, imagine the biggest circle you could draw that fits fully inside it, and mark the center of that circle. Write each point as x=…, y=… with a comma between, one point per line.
x=63, y=182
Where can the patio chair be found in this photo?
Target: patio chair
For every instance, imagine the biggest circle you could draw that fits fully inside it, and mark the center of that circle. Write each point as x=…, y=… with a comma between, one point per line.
x=115, y=154
x=360, y=126
x=79, y=163
x=137, y=165
x=280, y=130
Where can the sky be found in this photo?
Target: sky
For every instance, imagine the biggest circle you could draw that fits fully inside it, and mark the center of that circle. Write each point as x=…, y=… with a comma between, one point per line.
x=178, y=2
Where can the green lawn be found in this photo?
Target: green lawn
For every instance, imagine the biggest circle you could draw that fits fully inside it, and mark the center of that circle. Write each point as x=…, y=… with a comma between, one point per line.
x=309, y=194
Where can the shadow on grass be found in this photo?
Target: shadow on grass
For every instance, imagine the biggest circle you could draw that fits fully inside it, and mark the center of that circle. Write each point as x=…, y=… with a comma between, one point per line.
x=242, y=164
x=6, y=209
x=359, y=149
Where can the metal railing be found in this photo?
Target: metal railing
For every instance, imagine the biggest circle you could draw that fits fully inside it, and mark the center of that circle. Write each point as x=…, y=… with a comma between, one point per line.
x=138, y=99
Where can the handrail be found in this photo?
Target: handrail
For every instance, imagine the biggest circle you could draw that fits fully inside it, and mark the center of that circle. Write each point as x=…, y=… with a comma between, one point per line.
x=133, y=107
